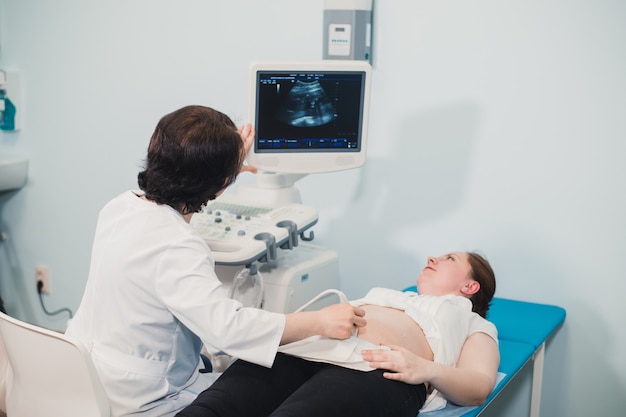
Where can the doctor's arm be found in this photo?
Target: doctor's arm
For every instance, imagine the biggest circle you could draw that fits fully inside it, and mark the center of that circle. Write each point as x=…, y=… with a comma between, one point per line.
x=337, y=321
x=469, y=383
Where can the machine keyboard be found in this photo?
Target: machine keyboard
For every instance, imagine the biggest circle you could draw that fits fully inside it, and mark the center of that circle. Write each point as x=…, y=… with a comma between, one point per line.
x=237, y=232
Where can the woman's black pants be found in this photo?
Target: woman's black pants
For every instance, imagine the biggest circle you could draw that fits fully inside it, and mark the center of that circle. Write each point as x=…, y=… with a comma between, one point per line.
x=296, y=387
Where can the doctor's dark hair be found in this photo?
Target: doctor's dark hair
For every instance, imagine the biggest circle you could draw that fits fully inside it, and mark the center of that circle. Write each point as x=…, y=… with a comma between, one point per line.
x=194, y=153
x=482, y=273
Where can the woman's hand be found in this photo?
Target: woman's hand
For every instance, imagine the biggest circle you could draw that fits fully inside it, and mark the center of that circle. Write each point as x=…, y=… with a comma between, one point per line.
x=247, y=135
x=468, y=383
x=403, y=365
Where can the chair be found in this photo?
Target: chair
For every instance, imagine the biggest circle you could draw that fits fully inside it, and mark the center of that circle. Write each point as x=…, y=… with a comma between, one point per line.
x=50, y=374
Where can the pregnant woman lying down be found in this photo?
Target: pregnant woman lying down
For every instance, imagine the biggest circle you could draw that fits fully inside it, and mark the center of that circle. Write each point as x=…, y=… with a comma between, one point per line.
x=415, y=353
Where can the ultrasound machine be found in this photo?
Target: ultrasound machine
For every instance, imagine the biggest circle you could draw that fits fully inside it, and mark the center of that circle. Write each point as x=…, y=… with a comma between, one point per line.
x=310, y=117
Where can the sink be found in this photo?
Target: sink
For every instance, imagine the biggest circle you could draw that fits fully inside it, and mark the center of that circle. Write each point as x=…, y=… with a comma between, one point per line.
x=13, y=172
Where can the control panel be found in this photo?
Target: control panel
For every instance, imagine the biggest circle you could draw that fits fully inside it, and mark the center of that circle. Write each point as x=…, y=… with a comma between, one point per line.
x=239, y=233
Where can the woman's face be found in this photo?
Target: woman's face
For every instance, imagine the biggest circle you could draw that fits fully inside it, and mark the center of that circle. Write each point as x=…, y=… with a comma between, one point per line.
x=447, y=274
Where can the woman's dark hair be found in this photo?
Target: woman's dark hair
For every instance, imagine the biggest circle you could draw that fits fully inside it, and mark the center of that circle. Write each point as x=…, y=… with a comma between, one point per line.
x=194, y=153
x=483, y=274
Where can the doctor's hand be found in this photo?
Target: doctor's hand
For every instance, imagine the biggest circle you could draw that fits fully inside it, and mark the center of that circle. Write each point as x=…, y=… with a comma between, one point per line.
x=247, y=135
x=403, y=365
x=339, y=321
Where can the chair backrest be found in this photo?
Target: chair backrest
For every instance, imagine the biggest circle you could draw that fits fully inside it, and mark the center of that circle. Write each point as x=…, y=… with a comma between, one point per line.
x=51, y=374
x=4, y=377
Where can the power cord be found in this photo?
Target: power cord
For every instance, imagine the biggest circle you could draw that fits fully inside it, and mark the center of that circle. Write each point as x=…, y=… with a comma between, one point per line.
x=53, y=313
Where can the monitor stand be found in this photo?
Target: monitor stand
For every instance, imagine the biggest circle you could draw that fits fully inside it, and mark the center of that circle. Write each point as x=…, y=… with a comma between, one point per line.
x=272, y=189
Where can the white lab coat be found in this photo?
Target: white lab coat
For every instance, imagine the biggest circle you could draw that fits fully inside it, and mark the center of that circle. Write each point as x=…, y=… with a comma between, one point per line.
x=151, y=300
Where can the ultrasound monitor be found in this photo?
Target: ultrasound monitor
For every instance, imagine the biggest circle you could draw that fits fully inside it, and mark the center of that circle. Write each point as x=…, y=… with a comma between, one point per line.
x=310, y=117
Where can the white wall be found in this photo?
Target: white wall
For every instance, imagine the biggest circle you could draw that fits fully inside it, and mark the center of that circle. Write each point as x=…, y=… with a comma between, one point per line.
x=495, y=125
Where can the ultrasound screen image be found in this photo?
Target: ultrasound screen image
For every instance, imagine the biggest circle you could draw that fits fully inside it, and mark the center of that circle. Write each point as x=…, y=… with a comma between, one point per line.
x=306, y=104
x=309, y=111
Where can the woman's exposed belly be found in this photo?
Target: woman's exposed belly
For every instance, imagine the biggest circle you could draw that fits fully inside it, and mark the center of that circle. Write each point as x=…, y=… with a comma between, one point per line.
x=389, y=326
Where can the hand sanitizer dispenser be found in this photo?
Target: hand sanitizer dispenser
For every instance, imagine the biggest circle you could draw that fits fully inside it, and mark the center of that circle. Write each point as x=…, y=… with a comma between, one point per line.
x=9, y=95
x=348, y=29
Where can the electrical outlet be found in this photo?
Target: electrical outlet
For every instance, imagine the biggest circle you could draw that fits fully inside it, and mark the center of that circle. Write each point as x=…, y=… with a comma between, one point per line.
x=42, y=273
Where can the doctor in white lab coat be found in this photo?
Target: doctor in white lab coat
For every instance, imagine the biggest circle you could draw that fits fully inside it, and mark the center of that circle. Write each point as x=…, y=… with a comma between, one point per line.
x=152, y=298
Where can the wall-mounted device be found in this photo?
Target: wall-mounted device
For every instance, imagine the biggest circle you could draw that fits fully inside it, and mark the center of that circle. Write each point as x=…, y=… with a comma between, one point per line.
x=9, y=100
x=348, y=29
